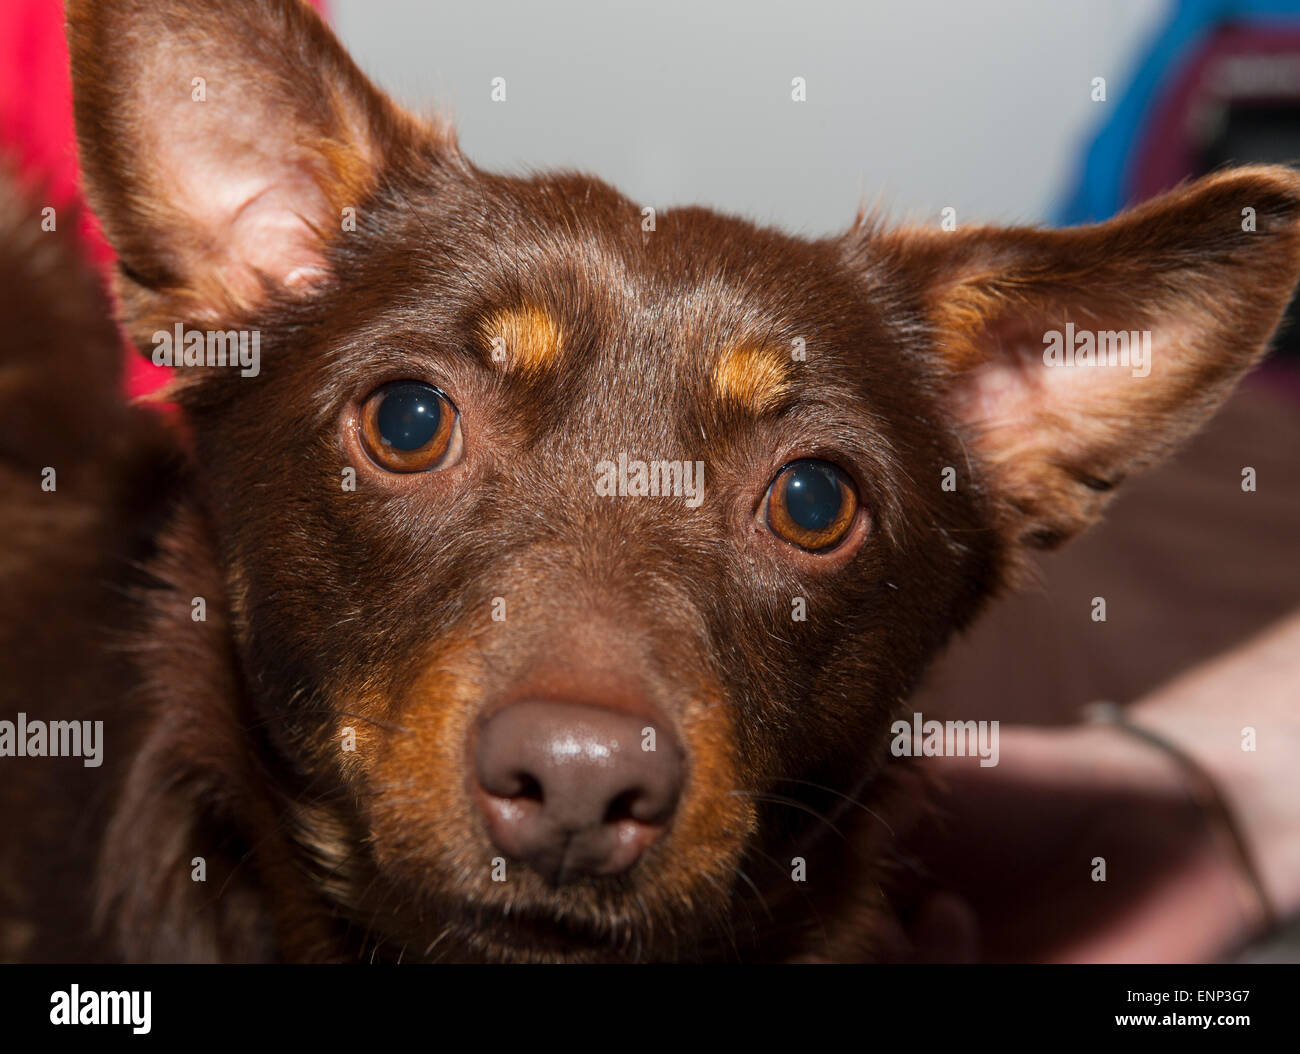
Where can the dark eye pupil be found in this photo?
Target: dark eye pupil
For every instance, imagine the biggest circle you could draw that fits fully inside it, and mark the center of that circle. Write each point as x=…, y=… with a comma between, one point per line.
x=409, y=415
x=813, y=497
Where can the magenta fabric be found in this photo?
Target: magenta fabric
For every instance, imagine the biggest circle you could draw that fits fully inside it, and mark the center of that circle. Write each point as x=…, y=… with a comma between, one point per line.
x=1166, y=154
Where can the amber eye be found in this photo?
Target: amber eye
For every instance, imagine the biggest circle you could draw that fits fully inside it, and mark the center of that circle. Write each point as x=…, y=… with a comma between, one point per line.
x=811, y=504
x=409, y=426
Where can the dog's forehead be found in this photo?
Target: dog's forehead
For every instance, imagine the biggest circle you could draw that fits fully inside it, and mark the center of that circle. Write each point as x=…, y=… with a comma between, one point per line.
x=746, y=367
x=574, y=281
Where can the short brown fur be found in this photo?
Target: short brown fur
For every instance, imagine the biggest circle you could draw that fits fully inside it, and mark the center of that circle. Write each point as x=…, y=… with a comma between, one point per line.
x=369, y=610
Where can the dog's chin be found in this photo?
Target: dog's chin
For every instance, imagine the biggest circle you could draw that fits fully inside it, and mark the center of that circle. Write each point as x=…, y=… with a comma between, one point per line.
x=619, y=921
x=534, y=937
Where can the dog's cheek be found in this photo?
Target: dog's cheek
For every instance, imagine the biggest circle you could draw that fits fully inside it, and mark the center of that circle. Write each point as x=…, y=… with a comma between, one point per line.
x=409, y=774
x=716, y=820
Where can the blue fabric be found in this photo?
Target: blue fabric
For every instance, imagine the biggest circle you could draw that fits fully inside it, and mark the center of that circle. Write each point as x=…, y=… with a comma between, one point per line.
x=1100, y=184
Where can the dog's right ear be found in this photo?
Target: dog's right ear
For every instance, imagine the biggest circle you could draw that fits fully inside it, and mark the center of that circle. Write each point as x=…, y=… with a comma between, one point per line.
x=221, y=144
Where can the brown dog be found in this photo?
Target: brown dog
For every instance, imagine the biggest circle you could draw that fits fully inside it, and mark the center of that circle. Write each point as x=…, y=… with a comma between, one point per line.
x=528, y=584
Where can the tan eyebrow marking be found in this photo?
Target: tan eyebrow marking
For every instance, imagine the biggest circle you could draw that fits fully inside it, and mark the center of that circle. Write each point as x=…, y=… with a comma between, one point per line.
x=754, y=376
x=522, y=338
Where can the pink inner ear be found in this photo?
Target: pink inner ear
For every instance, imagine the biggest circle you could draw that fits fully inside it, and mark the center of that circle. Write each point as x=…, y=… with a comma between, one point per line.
x=242, y=192
x=270, y=234
x=1007, y=392
x=1066, y=412
x=249, y=216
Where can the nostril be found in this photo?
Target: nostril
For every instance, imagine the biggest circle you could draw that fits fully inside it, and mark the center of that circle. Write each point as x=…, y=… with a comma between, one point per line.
x=621, y=808
x=527, y=787
x=500, y=775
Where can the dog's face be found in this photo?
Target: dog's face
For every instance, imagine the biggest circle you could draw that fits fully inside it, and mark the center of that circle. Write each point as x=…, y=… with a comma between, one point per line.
x=578, y=559
x=496, y=571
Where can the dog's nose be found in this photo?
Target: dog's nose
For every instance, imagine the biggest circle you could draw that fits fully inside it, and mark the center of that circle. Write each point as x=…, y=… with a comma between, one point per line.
x=573, y=789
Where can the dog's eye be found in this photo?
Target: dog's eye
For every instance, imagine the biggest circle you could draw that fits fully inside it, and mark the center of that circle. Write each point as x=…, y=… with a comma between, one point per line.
x=409, y=426
x=811, y=504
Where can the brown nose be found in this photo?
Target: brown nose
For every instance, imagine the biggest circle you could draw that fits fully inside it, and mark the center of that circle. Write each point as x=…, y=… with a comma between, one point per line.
x=571, y=789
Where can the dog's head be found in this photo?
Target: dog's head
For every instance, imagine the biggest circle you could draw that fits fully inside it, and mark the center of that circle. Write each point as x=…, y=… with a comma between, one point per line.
x=578, y=557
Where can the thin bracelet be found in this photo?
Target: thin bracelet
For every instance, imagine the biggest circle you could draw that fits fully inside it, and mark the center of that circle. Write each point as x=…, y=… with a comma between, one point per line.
x=1205, y=791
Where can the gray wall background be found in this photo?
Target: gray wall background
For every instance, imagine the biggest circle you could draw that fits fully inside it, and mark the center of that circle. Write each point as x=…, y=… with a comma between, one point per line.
x=980, y=105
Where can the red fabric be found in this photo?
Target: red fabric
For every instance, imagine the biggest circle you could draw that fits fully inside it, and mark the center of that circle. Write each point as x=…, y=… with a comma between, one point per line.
x=36, y=131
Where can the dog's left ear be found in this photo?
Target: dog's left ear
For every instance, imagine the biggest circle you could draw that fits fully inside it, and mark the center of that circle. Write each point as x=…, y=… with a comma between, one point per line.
x=1072, y=358
x=221, y=145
